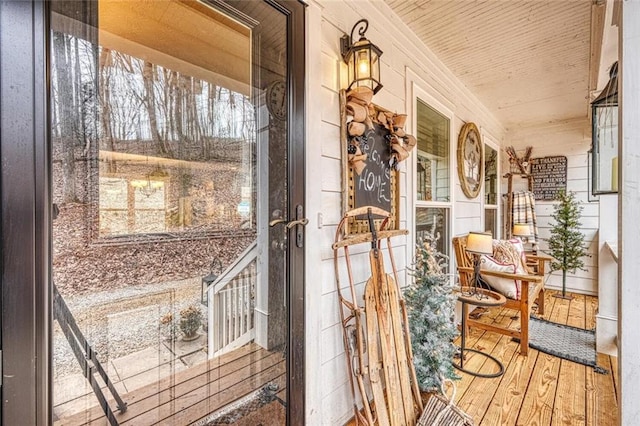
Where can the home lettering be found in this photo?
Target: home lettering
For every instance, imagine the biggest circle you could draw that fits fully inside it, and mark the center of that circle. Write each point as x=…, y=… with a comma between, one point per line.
x=373, y=185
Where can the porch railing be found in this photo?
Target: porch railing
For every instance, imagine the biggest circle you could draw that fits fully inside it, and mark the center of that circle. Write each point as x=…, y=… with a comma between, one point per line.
x=87, y=357
x=232, y=302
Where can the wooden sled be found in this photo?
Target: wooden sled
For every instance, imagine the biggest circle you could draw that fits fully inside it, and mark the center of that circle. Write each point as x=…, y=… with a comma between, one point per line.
x=385, y=380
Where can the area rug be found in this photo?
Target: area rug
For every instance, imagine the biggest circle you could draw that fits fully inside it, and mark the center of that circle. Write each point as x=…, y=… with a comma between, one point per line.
x=566, y=342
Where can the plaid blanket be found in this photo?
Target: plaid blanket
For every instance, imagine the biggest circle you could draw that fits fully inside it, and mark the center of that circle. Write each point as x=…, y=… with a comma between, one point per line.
x=523, y=210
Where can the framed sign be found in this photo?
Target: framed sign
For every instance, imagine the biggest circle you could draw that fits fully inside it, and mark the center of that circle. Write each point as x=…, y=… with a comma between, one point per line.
x=470, y=155
x=549, y=176
x=375, y=182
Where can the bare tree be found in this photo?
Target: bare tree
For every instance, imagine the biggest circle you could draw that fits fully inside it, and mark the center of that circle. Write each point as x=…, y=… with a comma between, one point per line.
x=66, y=113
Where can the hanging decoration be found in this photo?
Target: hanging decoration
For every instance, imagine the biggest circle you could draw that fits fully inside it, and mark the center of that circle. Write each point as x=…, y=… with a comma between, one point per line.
x=470, y=156
x=363, y=116
x=374, y=143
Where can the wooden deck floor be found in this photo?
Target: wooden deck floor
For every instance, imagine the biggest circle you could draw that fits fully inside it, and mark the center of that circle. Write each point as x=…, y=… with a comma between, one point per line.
x=539, y=389
x=192, y=394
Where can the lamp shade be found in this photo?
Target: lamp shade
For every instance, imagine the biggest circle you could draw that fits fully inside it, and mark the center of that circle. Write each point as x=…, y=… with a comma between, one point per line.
x=521, y=230
x=479, y=243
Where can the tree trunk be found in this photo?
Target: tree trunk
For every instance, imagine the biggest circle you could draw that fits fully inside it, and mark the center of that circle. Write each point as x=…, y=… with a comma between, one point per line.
x=104, y=80
x=150, y=102
x=67, y=115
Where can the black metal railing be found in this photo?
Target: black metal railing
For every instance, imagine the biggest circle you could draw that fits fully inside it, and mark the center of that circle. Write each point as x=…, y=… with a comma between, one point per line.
x=86, y=356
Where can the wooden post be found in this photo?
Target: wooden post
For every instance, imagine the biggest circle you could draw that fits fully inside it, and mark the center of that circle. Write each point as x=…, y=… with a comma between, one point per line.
x=628, y=207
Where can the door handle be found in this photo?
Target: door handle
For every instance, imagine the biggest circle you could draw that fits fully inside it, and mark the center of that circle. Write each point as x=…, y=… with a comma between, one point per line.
x=304, y=221
x=274, y=222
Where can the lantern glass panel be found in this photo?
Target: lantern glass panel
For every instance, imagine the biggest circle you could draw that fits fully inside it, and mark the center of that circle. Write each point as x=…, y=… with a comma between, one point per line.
x=605, y=149
x=351, y=66
x=363, y=65
x=375, y=67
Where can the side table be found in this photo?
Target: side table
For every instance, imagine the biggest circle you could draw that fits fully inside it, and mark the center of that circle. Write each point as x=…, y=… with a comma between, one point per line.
x=484, y=298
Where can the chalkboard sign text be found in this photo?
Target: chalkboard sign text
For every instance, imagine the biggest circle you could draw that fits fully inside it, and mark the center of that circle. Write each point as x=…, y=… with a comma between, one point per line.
x=373, y=186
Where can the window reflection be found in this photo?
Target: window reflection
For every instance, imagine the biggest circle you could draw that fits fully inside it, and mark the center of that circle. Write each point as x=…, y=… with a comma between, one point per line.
x=155, y=132
x=433, y=154
x=434, y=220
x=490, y=175
x=491, y=222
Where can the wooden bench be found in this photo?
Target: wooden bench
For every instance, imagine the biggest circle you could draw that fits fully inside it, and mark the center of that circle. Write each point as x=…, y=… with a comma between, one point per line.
x=532, y=290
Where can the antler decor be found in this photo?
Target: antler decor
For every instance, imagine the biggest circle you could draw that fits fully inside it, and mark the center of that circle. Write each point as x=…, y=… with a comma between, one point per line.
x=521, y=163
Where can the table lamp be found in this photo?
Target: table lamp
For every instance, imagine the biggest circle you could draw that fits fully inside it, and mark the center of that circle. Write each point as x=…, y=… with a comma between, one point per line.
x=478, y=244
x=521, y=230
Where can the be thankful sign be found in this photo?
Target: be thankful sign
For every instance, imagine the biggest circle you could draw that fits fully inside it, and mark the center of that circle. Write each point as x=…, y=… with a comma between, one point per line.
x=549, y=176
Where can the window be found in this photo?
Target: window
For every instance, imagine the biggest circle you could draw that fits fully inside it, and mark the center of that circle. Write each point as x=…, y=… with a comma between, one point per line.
x=433, y=171
x=131, y=206
x=433, y=154
x=491, y=191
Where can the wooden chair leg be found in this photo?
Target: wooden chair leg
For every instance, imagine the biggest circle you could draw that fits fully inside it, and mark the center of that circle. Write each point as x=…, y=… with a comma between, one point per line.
x=524, y=329
x=541, y=302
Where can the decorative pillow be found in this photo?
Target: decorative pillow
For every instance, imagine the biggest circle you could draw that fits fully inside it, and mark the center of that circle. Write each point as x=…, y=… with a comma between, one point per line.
x=506, y=286
x=505, y=252
x=511, y=251
x=517, y=244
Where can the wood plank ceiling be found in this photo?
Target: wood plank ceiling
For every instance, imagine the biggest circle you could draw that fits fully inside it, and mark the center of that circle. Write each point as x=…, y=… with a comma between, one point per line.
x=526, y=60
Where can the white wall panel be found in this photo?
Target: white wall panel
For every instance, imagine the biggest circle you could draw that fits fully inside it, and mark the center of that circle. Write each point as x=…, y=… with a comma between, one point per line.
x=337, y=407
x=333, y=376
x=332, y=345
x=330, y=71
x=330, y=304
x=329, y=103
x=329, y=141
x=572, y=142
x=330, y=175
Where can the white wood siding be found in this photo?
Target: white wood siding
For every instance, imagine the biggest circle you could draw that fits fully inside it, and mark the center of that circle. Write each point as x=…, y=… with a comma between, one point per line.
x=573, y=140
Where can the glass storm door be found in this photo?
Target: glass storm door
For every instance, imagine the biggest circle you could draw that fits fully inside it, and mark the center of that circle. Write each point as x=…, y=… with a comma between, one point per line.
x=178, y=217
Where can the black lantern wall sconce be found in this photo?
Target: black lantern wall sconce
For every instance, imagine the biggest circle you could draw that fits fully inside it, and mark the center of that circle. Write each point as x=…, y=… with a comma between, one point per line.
x=604, y=137
x=362, y=58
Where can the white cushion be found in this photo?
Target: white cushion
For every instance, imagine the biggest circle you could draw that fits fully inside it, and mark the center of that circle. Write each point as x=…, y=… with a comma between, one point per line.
x=508, y=287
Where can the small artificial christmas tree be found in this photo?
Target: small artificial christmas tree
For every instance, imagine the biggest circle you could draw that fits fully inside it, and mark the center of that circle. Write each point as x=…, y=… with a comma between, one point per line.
x=566, y=243
x=430, y=307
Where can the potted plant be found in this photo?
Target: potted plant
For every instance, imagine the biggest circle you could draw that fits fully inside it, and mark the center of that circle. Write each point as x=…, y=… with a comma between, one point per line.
x=566, y=243
x=190, y=321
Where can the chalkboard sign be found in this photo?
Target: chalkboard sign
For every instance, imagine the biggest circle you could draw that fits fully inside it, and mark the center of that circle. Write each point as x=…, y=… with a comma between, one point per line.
x=549, y=176
x=377, y=184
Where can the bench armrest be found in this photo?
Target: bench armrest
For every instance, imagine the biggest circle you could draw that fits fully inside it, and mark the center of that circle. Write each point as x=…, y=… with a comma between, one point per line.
x=537, y=261
x=543, y=257
x=523, y=277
